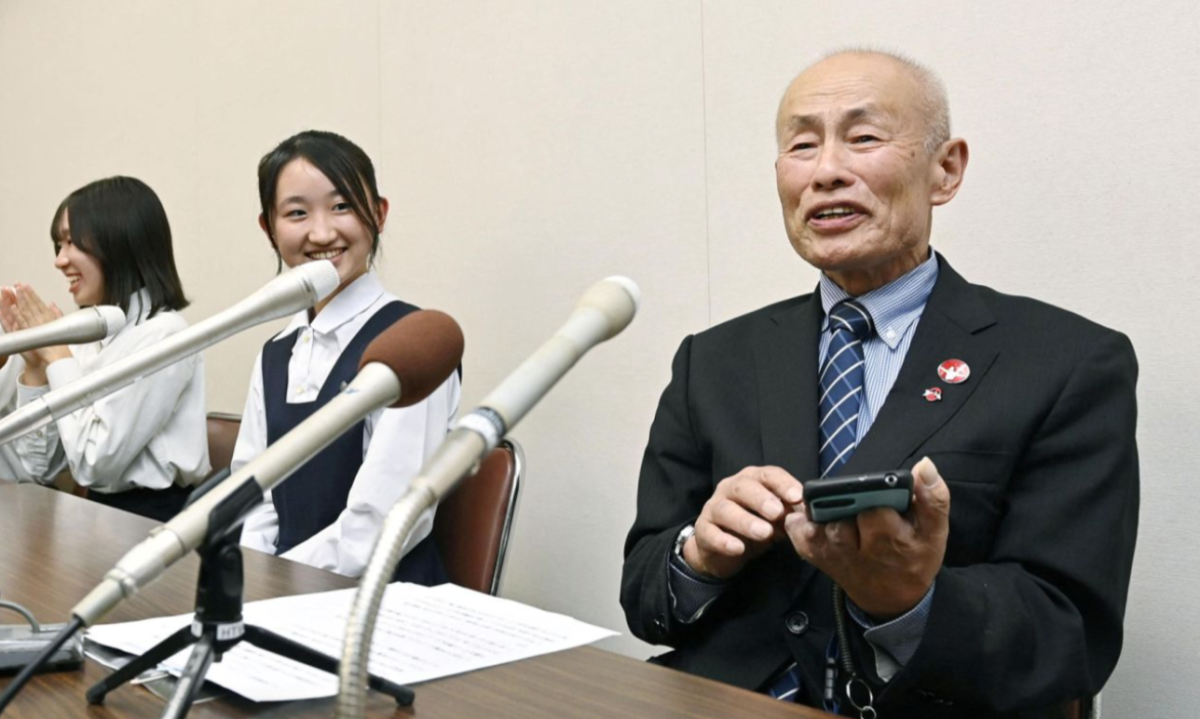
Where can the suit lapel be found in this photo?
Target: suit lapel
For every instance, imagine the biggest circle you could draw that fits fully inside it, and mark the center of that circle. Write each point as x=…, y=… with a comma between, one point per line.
x=951, y=327
x=785, y=356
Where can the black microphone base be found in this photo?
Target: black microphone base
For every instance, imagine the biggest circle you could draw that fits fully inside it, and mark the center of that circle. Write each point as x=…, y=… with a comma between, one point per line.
x=217, y=628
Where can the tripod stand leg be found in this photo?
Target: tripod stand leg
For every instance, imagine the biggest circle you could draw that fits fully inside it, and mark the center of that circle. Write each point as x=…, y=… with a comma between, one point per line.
x=158, y=653
x=192, y=677
x=284, y=647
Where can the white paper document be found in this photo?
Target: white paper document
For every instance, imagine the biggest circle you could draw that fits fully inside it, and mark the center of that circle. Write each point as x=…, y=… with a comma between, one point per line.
x=422, y=633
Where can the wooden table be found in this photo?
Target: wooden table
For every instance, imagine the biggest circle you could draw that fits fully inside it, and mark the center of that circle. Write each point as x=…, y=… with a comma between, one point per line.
x=55, y=547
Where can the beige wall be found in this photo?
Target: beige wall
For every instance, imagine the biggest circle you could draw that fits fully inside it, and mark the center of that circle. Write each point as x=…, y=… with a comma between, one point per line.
x=531, y=147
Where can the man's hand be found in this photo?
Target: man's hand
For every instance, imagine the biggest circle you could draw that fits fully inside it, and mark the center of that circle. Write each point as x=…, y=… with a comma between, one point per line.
x=741, y=520
x=885, y=561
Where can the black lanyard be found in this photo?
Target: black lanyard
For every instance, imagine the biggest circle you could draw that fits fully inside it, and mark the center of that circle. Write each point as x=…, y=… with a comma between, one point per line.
x=865, y=708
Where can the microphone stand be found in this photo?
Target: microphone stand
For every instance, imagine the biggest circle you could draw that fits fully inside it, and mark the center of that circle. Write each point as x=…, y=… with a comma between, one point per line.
x=603, y=311
x=218, y=625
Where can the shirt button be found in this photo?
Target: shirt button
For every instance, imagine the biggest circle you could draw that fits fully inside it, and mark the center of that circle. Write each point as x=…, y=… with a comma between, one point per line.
x=797, y=623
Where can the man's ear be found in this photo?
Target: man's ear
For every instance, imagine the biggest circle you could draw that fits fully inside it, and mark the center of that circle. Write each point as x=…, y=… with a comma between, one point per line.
x=262, y=223
x=950, y=165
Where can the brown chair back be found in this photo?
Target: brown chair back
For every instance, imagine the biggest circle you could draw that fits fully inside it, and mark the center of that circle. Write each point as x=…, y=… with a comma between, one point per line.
x=472, y=525
x=222, y=436
x=1086, y=708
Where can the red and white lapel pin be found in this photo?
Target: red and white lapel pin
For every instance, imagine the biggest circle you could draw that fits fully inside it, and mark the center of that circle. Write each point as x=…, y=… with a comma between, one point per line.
x=954, y=371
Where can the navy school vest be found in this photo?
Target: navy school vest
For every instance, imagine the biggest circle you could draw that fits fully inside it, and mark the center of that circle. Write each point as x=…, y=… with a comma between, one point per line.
x=315, y=495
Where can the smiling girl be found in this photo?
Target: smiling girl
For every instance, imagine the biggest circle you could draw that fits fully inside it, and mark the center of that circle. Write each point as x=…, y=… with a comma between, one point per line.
x=320, y=202
x=143, y=447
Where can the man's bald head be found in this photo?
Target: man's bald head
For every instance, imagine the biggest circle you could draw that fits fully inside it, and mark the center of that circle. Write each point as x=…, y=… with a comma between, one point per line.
x=928, y=94
x=864, y=157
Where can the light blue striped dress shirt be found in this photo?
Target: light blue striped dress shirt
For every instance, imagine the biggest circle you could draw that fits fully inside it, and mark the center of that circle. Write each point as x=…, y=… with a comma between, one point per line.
x=896, y=311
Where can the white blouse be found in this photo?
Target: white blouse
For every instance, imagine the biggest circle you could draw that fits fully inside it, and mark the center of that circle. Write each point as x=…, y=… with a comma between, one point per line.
x=11, y=465
x=151, y=434
x=396, y=442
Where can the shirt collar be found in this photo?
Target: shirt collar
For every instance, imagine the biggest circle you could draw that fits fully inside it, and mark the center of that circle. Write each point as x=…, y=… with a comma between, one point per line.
x=893, y=307
x=345, y=306
x=139, y=309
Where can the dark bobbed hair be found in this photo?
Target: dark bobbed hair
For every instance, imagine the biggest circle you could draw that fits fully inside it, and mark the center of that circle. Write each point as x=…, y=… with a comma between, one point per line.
x=340, y=160
x=121, y=222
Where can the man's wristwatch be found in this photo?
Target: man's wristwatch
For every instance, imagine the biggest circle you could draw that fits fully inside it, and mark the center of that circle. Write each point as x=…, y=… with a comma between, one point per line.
x=684, y=535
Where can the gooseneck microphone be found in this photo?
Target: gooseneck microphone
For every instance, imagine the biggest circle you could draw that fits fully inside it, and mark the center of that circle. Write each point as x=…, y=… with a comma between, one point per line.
x=401, y=367
x=297, y=289
x=603, y=311
x=87, y=325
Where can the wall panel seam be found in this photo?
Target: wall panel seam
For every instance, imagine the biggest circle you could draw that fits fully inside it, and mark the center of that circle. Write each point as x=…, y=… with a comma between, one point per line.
x=707, y=209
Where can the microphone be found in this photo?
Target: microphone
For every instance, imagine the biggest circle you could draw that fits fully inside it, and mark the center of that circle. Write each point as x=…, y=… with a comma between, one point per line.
x=86, y=325
x=602, y=312
x=298, y=288
x=401, y=367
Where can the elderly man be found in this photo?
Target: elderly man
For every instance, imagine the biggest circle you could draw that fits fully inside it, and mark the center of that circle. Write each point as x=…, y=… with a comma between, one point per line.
x=1001, y=591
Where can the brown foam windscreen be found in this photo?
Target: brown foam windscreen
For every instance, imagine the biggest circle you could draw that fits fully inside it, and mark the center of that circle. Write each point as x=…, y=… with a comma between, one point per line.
x=422, y=348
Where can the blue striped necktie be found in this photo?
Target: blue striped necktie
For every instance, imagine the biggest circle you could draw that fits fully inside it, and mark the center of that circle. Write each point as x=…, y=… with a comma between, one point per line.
x=842, y=384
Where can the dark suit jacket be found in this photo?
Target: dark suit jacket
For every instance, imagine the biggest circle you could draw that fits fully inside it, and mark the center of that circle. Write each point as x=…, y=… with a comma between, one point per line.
x=1037, y=447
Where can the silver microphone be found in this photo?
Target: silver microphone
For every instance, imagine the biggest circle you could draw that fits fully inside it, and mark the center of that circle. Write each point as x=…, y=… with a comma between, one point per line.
x=87, y=325
x=401, y=367
x=298, y=288
x=604, y=310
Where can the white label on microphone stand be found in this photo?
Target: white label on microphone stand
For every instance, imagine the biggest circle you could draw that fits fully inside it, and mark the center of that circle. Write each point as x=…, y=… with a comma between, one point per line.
x=226, y=632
